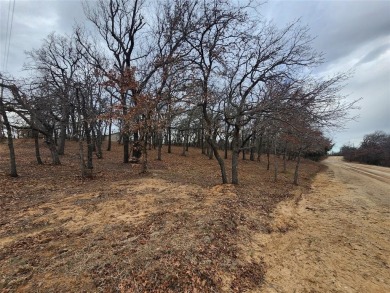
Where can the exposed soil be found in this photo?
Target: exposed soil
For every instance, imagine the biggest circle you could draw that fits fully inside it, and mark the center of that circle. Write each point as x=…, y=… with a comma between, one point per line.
x=177, y=230
x=173, y=230
x=340, y=235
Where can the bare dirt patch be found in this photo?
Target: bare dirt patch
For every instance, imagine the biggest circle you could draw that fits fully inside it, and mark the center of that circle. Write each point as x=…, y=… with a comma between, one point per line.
x=174, y=230
x=340, y=237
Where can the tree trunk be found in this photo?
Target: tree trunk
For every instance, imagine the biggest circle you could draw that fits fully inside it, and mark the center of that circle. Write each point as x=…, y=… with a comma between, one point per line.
x=227, y=140
x=88, y=130
x=62, y=136
x=110, y=126
x=93, y=136
x=243, y=147
x=99, y=141
x=37, y=152
x=252, y=150
x=284, y=159
x=268, y=162
x=145, y=155
x=210, y=151
x=109, y=136
x=53, y=150
x=13, y=171
x=260, y=148
x=202, y=139
x=125, y=133
x=275, y=162
x=183, y=152
x=187, y=139
x=126, y=141
x=82, y=161
x=221, y=162
x=235, y=154
x=297, y=167
x=169, y=139
x=213, y=145
x=159, y=147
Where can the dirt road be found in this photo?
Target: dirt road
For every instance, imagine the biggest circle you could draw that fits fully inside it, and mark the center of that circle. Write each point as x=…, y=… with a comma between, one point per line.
x=338, y=235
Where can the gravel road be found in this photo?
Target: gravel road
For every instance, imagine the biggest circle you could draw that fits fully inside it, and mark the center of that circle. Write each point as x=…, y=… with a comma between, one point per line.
x=338, y=235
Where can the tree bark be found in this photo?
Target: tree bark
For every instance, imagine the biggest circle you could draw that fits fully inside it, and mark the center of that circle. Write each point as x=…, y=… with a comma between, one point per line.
x=53, y=150
x=36, y=142
x=88, y=130
x=13, y=171
x=62, y=136
x=235, y=153
x=227, y=140
x=109, y=136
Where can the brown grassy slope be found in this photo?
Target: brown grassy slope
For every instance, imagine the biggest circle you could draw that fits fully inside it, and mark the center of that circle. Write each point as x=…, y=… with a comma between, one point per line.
x=173, y=230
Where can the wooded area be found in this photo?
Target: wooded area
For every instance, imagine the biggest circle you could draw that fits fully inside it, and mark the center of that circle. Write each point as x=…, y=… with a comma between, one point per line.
x=208, y=74
x=373, y=150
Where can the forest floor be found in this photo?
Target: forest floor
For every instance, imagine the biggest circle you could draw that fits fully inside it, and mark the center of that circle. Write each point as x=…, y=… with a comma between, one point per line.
x=175, y=229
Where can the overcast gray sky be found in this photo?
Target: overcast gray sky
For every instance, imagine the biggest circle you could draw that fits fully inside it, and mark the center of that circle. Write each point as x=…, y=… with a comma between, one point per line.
x=351, y=34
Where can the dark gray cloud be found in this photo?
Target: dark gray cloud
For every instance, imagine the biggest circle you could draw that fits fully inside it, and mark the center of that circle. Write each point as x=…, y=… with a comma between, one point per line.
x=340, y=27
x=352, y=35
x=33, y=20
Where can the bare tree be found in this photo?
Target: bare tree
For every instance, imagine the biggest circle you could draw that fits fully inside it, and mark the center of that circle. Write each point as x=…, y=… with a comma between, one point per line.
x=55, y=65
x=35, y=111
x=260, y=56
x=3, y=113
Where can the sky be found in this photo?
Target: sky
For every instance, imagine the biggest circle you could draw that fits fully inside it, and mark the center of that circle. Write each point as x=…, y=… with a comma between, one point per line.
x=353, y=35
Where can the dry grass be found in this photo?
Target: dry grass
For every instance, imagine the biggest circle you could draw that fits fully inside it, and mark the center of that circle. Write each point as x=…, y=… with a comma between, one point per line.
x=173, y=230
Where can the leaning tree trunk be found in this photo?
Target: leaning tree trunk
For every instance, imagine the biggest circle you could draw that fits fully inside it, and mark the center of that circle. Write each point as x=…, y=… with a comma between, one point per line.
x=221, y=162
x=213, y=144
x=13, y=171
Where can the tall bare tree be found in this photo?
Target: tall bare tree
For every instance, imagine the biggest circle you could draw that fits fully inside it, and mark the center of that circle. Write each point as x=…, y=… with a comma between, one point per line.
x=55, y=64
x=3, y=113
